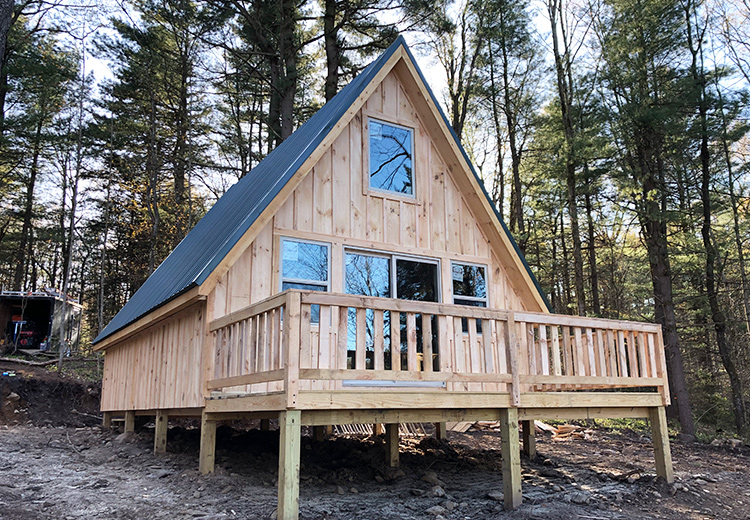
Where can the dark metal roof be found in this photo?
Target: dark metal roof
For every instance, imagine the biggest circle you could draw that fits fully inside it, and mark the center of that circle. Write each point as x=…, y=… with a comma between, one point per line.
x=206, y=245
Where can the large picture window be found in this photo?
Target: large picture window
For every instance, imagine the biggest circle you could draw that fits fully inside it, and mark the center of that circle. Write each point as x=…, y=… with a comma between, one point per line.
x=391, y=158
x=388, y=276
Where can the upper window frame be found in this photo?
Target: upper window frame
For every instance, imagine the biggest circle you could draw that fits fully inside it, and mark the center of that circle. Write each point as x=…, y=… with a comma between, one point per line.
x=368, y=187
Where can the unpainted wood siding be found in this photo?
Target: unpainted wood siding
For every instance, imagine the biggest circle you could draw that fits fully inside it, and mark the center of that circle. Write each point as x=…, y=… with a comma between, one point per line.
x=334, y=204
x=160, y=367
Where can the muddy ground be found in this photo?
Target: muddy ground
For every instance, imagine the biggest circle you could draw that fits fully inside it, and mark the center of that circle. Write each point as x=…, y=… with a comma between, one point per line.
x=56, y=463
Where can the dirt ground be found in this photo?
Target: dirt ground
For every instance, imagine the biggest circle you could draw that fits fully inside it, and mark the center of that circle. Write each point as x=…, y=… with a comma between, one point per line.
x=57, y=463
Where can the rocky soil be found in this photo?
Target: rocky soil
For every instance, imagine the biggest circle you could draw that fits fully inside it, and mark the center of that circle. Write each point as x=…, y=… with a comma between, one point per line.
x=55, y=465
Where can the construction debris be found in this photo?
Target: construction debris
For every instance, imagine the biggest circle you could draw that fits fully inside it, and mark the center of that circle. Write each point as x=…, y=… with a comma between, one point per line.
x=559, y=433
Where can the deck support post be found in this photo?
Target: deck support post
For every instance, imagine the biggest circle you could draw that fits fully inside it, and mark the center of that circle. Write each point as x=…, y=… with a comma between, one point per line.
x=441, y=431
x=529, y=439
x=511, y=458
x=107, y=420
x=660, y=438
x=208, y=445
x=377, y=429
x=290, y=423
x=130, y=421
x=161, y=421
x=265, y=425
x=391, y=445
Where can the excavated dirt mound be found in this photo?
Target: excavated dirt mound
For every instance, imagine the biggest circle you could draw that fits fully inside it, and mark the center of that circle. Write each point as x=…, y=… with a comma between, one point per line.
x=42, y=397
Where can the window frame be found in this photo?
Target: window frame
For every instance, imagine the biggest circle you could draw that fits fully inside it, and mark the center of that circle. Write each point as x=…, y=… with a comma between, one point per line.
x=282, y=278
x=485, y=299
x=392, y=258
x=410, y=197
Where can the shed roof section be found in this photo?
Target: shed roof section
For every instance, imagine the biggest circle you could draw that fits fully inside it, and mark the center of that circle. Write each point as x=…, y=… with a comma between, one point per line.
x=208, y=243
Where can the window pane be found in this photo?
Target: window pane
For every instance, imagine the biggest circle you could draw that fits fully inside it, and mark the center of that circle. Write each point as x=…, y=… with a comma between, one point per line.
x=469, y=280
x=368, y=275
x=304, y=261
x=390, y=158
x=416, y=281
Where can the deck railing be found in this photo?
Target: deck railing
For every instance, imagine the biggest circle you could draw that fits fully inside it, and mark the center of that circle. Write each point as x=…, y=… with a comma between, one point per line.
x=307, y=340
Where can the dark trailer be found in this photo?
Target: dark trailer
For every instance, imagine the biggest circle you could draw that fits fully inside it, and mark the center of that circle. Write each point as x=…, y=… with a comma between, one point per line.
x=31, y=320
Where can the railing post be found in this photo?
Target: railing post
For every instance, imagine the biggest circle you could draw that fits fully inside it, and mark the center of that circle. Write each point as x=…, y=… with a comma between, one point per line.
x=662, y=364
x=292, y=325
x=512, y=343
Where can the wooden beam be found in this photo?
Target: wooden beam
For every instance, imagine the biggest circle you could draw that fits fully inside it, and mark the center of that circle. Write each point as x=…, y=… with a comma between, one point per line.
x=207, y=457
x=160, y=435
x=391, y=445
x=660, y=439
x=107, y=420
x=511, y=458
x=326, y=417
x=130, y=421
x=246, y=379
x=289, y=463
x=167, y=310
x=403, y=375
x=632, y=412
x=441, y=430
x=529, y=438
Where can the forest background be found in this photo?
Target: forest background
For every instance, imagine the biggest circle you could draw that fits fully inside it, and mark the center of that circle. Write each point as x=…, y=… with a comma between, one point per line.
x=612, y=136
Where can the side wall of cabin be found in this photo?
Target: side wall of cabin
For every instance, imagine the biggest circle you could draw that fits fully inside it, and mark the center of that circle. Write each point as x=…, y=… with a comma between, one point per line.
x=158, y=368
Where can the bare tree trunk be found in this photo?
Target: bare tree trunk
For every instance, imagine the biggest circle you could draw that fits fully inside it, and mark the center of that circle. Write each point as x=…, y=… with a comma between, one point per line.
x=596, y=306
x=333, y=50
x=6, y=20
x=726, y=352
x=21, y=256
x=565, y=93
x=152, y=171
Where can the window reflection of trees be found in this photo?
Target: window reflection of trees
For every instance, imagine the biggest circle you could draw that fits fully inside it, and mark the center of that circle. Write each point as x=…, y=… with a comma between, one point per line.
x=390, y=158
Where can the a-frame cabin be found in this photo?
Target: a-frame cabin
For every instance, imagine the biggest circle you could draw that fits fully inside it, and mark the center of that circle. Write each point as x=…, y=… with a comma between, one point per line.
x=360, y=274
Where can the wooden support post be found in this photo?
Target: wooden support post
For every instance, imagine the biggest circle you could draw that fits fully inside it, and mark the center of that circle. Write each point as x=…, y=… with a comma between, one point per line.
x=265, y=425
x=377, y=429
x=160, y=434
x=290, y=422
x=391, y=445
x=529, y=439
x=441, y=431
x=130, y=421
x=208, y=445
x=319, y=433
x=511, y=458
x=107, y=420
x=660, y=439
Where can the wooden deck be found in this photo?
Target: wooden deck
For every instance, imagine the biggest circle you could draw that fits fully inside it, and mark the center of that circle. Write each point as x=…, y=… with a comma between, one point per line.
x=319, y=359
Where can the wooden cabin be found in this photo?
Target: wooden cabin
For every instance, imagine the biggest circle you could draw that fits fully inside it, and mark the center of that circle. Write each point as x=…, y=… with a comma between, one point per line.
x=360, y=275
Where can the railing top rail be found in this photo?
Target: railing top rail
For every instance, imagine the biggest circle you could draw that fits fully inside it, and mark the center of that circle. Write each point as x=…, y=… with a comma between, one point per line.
x=391, y=304
x=584, y=321
x=273, y=302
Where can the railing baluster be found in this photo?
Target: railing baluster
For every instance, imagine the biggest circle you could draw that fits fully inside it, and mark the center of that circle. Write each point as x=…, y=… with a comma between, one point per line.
x=411, y=341
x=343, y=338
x=443, y=345
x=305, y=347
x=324, y=339
x=361, y=340
x=475, y=362
x=642, y=361
x=544, y=349
x=427, y=342
x=652, y=355
x=622, y=354
x=378, y=343
x=592, y=359
x=632, y=356
x=556, y=368
x=395, y=340
x=611, y=354
x=579, y=353
x=458, y=346
x=568, y=352
x=601, y=349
